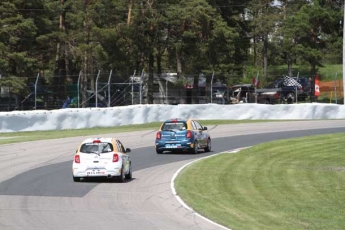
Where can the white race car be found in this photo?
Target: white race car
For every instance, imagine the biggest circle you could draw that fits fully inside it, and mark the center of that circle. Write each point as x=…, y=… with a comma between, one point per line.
x=102, y=157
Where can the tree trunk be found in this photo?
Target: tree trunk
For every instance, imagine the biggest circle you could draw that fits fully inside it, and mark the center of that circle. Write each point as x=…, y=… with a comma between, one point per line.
x=179, y=75
x=83, y=81
x=162, y=90
x=179, y=64
x=289, y=65
x=195, y=99
x=254, y=51
x=86, y=58
x=264, y=56
x=68, y=79
x=60, y=61
x=151, y=79
x=130, y=7
x=255, y=62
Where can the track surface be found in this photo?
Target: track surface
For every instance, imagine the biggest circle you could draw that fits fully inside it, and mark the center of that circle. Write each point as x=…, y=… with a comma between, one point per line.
x=37, y=191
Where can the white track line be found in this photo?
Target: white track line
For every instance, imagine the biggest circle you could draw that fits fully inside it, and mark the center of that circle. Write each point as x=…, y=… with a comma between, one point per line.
x=172, y=184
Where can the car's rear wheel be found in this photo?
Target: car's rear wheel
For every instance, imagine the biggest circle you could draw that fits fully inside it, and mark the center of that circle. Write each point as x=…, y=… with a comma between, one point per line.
x=122, y=177
x=129, y=174
x=76, y=179
x=194, y=150
x=159, y=151
x=290, y=98
x=208, y=147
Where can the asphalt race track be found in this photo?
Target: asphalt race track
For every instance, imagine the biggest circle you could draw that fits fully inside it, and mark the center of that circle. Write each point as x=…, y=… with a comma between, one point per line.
x=37, y=190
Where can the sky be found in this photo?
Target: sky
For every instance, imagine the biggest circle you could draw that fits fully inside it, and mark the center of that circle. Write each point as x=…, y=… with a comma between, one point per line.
x=79, y=118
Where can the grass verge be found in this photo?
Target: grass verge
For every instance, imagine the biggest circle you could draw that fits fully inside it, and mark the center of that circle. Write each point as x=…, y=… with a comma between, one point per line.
x=286, y=184
x=15, y=137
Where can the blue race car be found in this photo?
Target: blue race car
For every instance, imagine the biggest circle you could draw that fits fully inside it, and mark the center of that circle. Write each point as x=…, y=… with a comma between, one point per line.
x=182, y=135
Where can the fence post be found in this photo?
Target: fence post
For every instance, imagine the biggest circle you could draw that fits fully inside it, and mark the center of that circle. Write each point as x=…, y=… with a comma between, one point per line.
x=132, y=86
x=36, y=90
x=99, y=72
x=141, y=85
x=111, y=71
x=166, y=91
x=212, y=87
x=335, y=88
x=78, y=86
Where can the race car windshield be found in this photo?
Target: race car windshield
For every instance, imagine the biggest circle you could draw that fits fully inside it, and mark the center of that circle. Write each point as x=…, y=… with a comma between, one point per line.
x=174, y=126
x=102, y=147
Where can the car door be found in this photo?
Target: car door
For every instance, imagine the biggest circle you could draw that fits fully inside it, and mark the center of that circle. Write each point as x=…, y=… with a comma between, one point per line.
x=194, y=129
x=204, y=133
x=200, y=133
x=124, y=155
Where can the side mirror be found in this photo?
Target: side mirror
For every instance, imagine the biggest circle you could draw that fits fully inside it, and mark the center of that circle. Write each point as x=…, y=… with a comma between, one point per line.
x=128, y=150
x=205, y=128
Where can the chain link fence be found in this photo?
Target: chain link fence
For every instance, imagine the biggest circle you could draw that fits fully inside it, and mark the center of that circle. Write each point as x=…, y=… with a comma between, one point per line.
x=106, y=89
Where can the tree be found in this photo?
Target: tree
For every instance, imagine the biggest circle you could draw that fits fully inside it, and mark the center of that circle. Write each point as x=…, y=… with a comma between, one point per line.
x=19, y=59
x=17, y=37
x=265, y=19
x=235, y=14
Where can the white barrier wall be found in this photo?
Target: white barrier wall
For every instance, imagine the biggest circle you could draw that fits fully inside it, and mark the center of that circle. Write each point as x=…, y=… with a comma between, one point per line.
x=139, y=114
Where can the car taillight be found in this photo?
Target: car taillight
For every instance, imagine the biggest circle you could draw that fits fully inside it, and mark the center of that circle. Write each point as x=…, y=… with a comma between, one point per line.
x=276, y=95
x=189, y=134
x=158, y=135
x=77, y=159
x=115, y=157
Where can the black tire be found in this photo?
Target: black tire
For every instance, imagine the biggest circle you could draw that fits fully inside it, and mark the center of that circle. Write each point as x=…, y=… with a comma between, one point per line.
x=209, y=146
x=122, y=177
x=129, y=175
x=290, y=98
x=159, y=151
x=76, y=179
x=194, y=150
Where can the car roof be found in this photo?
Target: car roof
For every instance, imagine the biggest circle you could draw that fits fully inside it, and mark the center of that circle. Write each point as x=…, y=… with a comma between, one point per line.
x=176, y=120
x=102, y=139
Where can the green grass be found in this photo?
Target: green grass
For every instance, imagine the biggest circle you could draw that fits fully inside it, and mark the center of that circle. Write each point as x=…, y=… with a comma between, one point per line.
x=15, y=137
x=288, y=184
x=327, y=72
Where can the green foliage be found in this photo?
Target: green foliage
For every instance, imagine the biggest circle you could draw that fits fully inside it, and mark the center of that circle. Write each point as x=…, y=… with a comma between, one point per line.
x=229, y=37
x=15, y=84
